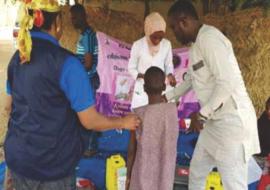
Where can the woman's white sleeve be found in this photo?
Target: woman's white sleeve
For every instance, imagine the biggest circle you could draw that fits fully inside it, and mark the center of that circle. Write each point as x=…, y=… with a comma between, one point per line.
x=133, y=61
x=169, y=61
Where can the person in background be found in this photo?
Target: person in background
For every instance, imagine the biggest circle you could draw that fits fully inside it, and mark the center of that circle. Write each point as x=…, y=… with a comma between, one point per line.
x=152, y=148
x=227, y=119
x=264, y=134
x=87, y=52
x=151, y=50
x=51, y=99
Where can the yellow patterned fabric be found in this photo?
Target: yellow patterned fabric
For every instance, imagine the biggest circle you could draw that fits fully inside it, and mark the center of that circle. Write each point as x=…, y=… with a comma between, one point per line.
x=26, y=23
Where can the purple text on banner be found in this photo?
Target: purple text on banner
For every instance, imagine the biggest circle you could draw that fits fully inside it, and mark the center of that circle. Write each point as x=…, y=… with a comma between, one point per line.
x=116, y=89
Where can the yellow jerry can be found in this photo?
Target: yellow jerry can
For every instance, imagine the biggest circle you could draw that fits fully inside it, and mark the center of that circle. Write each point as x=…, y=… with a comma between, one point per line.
x=115, y=172
x=213, y=181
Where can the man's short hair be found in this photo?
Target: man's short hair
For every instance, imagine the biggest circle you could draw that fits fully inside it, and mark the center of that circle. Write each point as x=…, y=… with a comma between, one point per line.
x=183, y=7
x=49, y=19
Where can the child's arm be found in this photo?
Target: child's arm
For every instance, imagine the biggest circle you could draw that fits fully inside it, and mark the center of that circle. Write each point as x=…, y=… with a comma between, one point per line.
x=132, y=147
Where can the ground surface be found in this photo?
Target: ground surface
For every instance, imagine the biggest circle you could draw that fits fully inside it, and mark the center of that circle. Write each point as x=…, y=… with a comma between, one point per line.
x=6, y=51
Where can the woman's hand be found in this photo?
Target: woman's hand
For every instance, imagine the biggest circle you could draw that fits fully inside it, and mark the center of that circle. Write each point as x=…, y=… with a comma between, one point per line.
x=171, y=80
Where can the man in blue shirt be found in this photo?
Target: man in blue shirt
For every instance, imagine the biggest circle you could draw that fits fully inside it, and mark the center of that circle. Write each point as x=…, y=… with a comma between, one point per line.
x=51, y=100
x=87, y=52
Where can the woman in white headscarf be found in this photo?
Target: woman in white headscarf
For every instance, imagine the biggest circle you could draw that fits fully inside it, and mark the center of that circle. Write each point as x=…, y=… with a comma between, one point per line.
x=151, y=50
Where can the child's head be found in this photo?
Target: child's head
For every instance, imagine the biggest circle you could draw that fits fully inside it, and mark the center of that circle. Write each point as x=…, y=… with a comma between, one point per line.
x=154, y=81
x=78, y=16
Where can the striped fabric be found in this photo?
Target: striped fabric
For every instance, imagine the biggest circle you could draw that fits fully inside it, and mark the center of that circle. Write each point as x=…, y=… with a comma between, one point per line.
x=88, y=44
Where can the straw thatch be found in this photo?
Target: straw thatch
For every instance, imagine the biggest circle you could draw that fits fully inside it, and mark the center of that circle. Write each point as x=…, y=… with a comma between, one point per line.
x=246, y=29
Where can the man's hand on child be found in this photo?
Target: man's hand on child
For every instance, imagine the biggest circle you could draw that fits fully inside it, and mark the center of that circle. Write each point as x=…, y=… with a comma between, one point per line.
x=131, y=122
x=171, y=80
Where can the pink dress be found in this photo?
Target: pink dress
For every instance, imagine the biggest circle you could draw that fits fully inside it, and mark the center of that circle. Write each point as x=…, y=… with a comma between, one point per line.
x=154, y=165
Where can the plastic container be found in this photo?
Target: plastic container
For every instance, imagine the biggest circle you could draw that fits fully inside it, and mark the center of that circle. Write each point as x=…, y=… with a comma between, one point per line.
x=115, y=173
x=213, y=181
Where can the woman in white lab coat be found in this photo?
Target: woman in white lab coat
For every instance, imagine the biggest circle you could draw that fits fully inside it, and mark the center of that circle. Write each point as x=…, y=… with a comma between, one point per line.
x=151, y=50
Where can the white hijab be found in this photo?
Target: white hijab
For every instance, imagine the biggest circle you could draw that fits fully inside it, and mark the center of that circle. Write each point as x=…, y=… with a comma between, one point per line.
x=154, y=22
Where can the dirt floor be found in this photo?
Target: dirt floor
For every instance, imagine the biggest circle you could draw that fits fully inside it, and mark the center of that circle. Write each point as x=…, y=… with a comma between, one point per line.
x=6, y=51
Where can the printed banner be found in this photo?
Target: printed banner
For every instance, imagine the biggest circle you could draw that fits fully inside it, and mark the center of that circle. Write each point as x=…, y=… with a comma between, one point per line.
x=115, y=93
